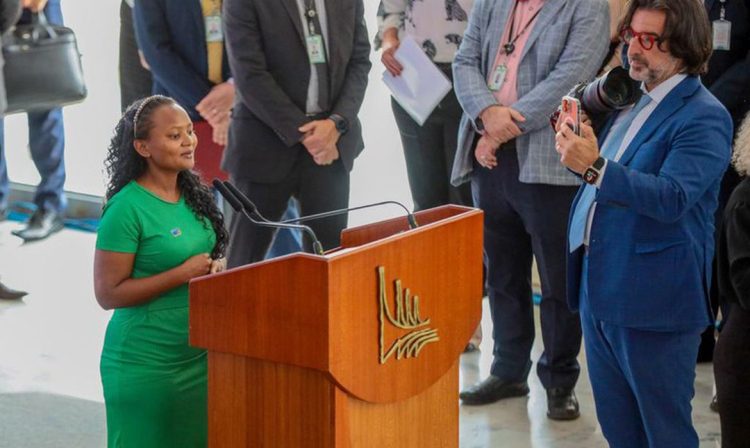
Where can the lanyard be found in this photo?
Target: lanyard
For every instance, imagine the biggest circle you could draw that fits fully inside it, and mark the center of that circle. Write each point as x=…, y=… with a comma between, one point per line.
x=723, y=11
x=311, y=12
x=215, y=8
x=510, y=46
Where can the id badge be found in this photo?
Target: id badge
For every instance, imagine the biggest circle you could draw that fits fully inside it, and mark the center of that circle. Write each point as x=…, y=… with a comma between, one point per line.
x=214, y=33
x=722, y=30
x=315, y=50
x=498, y=76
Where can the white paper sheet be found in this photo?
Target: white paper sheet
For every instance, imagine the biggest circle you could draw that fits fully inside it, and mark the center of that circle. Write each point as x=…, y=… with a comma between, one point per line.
x=421, y=85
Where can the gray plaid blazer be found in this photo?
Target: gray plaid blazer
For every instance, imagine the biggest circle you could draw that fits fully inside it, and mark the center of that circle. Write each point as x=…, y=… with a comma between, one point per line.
x=567, y=45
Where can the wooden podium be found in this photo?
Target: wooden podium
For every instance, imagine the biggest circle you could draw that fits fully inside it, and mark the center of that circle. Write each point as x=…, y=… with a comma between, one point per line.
x=356, y=348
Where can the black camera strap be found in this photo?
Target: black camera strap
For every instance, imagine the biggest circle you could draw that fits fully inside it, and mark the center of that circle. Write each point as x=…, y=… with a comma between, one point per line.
x=510, y=46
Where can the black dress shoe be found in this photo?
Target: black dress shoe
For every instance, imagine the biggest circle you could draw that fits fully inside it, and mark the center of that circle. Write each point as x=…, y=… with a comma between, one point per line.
x=10, y=294
x=562, y=404
x=42, y=224
x=493, y=389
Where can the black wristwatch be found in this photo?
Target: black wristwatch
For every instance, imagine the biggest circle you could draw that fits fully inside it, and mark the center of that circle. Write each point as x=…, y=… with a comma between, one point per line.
x=593, y=172
x=342, y=124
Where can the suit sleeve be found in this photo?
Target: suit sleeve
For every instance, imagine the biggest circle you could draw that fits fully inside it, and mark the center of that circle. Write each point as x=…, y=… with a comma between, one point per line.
x=469, y=82
x=586, y=46
x=353, y=90
x=737, y=228
x=257, y=89
x=697, y=157
x=167, y=66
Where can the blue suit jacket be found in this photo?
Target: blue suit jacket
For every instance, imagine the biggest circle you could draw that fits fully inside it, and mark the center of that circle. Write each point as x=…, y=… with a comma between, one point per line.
x=651, y=241
x=172, y=36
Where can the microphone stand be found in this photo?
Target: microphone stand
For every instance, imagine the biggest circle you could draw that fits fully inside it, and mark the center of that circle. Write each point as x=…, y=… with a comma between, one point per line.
x=409, y=216
x=242, y=204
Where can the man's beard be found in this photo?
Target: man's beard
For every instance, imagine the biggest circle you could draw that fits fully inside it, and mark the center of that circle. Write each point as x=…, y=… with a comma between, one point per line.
x=644, y=73
x=651, y=75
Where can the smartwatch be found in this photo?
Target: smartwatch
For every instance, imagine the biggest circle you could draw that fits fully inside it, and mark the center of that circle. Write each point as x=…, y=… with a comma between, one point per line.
x=593, y=172
x=342, y=124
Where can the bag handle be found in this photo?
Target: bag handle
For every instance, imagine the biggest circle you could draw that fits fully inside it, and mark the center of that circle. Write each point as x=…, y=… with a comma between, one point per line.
x=39, y=20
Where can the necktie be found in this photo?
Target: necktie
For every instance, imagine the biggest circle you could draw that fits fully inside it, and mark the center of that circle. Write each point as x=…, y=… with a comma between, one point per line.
x=609, y=151
x=321, y=69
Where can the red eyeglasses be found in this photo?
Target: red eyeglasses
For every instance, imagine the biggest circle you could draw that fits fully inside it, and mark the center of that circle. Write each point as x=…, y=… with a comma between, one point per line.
x=646, y=40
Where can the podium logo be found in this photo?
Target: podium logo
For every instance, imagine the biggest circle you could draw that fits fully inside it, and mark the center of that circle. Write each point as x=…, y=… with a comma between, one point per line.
x=406, y=319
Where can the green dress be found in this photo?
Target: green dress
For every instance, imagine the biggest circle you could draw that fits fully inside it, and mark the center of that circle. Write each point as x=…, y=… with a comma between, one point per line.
x=155, y=384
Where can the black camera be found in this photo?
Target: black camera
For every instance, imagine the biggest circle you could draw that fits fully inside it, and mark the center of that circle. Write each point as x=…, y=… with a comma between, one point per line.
x=612, y=91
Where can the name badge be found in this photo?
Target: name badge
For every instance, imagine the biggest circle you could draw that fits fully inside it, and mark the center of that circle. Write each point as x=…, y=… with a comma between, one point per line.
x=722, y=34
x=315, y=50
x=214, y=33
x=498, y=77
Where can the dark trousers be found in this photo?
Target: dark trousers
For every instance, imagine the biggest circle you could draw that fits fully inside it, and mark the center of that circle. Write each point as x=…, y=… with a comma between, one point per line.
x=732, y=374
x=521, y=221
x=642, y=381
x=46, y=142
x=317, y=188
x=730, y=180
x=135, y=81
x=429, y=151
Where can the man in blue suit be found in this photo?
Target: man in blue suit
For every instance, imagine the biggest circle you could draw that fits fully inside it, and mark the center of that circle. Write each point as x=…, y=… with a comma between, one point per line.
x=641, y=229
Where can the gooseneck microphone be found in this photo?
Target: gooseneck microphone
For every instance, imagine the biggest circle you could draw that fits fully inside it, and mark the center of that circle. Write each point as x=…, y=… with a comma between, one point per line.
x=242, y=204
x=409, y=215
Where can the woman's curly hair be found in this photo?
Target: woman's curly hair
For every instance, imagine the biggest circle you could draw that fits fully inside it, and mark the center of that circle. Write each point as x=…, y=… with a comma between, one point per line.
x=123, y=164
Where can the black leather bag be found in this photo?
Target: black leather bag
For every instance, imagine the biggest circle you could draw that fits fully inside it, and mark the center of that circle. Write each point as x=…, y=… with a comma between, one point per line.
x=42, y=67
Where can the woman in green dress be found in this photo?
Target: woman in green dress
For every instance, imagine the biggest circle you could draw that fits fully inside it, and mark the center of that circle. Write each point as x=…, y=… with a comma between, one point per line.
x=160, y=228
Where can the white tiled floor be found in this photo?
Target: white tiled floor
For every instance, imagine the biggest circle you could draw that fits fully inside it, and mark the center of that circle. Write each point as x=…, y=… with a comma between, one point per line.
x=50, y=395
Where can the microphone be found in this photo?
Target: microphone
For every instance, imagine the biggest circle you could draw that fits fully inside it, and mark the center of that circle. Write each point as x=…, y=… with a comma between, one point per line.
x=409, y=215
x=242, y=204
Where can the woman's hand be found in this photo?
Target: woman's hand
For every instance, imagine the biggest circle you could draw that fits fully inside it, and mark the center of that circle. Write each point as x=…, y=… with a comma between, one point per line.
x=196, y=266
x=390, y=45
x=218, y=265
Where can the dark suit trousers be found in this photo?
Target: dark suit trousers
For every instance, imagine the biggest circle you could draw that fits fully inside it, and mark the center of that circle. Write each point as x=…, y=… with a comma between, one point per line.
x=135, y=81
x=521, y=221
x=642, y=380
x=429, y=151
x=732, y=373
x=317, y=188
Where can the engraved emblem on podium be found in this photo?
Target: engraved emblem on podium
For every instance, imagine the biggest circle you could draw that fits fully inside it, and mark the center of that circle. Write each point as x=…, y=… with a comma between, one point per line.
x=414, y=332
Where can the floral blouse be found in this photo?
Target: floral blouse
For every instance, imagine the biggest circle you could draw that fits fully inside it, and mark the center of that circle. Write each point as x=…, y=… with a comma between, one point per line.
x=437, y=25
